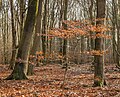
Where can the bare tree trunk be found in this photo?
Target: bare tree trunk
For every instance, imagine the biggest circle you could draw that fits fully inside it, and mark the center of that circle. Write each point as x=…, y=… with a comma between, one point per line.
x=99, y=59
x=21, y=64
x=44, y=28
x=116, y=28
x=0, y=5
x=118, y=34
x=12, y=62
x=60, y=22
x=22, y=12
x=65, y=27
x=91, y=19
x=36, y=41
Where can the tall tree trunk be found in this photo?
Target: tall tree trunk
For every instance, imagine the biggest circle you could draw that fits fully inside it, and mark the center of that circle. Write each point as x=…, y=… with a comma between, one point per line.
x=0, y=5
x=118, y=34
x=21, y=64
x=52, y=24
x=22, y=12
x=116, y=28
x=44, y=28
x=91, y=19
x=36, y=40
x=99, y=59
x=65, y=27
x=12, y=62
x=60, y=22
x=82, y=60
x=114, y=33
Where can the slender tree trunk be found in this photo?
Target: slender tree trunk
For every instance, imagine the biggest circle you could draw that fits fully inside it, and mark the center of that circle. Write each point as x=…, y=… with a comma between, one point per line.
x=52, y=24
x=4, y=38
x=116, y=28
x=65, y=27
x=114, y=35
x=91, y=19
x=82, y=49
x=118, y=34
x=60, y=22
x=44, y=28
x=12, y=62
x=22, y=12
x=0, y=5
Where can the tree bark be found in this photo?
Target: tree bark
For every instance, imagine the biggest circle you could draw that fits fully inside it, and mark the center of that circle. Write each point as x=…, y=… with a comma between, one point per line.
x=91, y=19
x=36, y=40
x=44, y=28
x=99, y=59
x=22, y=12
x=65, y=27
x=0, y=5
x=12, y=62
x=21, y=64
x=118, y=34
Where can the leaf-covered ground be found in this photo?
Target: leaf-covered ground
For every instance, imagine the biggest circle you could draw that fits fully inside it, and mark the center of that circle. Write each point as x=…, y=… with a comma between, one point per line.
x=47, y=81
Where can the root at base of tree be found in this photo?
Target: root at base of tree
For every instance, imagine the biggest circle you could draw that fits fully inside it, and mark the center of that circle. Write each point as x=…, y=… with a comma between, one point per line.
x=18, y=73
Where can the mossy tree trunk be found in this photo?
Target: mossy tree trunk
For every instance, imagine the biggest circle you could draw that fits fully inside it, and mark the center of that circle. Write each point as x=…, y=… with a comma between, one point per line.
x=36, y=40
x=21, y=64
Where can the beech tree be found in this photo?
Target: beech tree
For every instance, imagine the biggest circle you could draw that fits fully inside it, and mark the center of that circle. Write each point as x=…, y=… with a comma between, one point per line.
x=116, y=28
x=65, y=27
x=14, y=40
x=21, y=64
x=99, y=79
x=44, y=30
x=36, y=40
x=70, y=39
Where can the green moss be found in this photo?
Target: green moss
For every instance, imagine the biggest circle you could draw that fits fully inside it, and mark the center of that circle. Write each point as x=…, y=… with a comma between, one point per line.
x=37, y=5
x=98, y=83
x=15, y=76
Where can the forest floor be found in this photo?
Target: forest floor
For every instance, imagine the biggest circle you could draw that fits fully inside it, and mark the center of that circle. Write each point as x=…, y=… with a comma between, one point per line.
x=47, y=82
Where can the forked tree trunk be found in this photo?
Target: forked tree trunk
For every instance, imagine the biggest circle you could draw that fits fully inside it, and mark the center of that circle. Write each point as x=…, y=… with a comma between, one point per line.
x=21, y=64
x=36, y=40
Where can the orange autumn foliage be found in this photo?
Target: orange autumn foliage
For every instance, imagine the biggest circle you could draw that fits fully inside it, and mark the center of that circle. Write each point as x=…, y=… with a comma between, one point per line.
x=75, y=28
